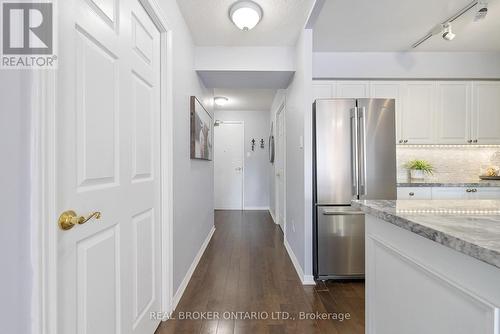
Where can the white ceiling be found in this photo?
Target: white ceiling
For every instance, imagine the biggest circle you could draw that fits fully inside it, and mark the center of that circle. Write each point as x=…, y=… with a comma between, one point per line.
x=394, y=25
x=246, y=99
x=209, y=22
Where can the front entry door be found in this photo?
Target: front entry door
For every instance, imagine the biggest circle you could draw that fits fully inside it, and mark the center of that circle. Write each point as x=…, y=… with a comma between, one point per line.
x=108, y=161
x=228, y=165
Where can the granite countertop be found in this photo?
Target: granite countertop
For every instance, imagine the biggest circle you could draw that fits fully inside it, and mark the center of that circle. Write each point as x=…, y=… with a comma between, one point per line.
x=476, y=184
x=471, y=227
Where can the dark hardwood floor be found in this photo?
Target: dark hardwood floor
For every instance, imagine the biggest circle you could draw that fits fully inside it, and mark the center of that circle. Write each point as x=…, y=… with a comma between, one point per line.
x=247, y=269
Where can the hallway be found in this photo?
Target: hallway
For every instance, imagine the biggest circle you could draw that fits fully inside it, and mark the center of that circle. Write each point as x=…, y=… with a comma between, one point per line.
x=246, y=269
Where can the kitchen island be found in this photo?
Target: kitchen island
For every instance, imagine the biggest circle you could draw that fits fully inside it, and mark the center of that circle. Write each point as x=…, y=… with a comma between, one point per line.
x=432, y=266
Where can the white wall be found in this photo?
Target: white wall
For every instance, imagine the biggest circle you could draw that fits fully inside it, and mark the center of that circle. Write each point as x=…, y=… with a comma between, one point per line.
x=299, y=160
x=193, y=179
x=403, y=65
x=15, y=231
x=256, y=162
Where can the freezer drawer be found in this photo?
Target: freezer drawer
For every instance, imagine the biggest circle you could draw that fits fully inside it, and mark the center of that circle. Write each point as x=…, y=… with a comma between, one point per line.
x=341, y=242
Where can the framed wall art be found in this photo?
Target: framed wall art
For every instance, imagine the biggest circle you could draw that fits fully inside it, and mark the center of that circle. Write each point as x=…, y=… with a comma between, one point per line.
x=202, y=129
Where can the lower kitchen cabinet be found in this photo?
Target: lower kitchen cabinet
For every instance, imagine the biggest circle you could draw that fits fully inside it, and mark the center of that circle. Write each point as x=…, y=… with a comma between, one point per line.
x=414, y=193
x=448, y=193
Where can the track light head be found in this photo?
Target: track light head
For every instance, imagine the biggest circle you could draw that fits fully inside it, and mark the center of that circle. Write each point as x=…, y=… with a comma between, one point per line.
x=482, y=10
x=448, y=33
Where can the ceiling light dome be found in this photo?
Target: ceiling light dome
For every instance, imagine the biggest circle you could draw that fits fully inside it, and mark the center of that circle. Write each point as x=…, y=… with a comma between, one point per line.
x=220, y=100
x=245, y=14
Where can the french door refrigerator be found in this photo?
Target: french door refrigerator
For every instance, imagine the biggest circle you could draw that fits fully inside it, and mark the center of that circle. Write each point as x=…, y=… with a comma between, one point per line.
x=354, y=150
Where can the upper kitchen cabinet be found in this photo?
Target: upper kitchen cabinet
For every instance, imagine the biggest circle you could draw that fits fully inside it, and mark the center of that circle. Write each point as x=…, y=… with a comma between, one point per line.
x=417, y=117
x=453, y=112
x=486, y=112
x=390, y=90
x=323, y=89
x=352, y=89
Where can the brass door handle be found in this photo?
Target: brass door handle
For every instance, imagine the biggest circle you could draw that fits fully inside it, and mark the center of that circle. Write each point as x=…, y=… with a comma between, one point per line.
x=68, y=219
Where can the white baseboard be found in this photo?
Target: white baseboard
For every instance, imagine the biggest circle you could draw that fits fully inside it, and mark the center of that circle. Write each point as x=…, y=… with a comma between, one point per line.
x=305, y=279
x=308, y=280
x=272, y=216
x=257, y=208
x=180, y=291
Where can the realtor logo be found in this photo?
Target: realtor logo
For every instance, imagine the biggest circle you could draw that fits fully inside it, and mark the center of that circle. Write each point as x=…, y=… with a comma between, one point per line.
x=28, y=38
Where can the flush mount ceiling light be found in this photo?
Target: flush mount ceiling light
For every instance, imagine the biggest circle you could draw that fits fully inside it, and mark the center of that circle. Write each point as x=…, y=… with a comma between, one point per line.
x=221, y=100
x=245, y=14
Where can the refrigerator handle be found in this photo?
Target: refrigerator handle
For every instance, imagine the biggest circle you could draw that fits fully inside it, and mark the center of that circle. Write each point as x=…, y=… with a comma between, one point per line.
x=362, y=150
x=354, y=152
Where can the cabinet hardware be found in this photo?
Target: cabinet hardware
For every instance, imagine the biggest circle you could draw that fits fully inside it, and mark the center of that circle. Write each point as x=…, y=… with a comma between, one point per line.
x=468, y=190
x=469, y=141
x=474, y=190
x=406, y=140
x=412, y=194
x=475, y=140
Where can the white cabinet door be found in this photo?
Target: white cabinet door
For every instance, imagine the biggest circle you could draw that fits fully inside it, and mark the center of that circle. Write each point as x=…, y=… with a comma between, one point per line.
x=453, y=112
x=390, y=90
x=486, y=112
x=323, y=89
x=449, y=193
x=417, y=124
x=485, y=193
x=414, y=193
x=352, y=89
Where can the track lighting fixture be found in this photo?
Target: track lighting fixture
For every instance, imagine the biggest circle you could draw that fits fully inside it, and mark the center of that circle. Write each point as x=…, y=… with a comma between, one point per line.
x=481, y=7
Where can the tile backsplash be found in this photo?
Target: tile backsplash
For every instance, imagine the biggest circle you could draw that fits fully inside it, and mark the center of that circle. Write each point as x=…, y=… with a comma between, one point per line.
x=452, y=164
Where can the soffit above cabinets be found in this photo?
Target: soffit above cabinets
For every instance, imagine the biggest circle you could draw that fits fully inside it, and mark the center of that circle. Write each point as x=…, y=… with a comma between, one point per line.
x=246, y=79
x=394, y=25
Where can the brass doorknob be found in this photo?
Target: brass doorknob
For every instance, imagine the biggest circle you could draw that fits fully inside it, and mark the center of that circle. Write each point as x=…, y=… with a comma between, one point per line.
x=68, y=219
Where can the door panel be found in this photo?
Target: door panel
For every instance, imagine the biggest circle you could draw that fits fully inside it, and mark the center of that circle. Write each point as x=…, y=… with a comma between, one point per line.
x=418, y=113
x=98, y=304
x=108, y=160
x=334, y=151
x=454, y=104
x=228, y=165
x=341, y=244
x=97, y=113
x=486, y=115
x=378, y=167
x=352, y=89
x=390, y=90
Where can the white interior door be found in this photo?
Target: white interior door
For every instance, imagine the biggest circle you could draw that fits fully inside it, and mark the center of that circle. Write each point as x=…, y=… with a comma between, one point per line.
x=228, y=165
x=279, y=166
x=108, y=160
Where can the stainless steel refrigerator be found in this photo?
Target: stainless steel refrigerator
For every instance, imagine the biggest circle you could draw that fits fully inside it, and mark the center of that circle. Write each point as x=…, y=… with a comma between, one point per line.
x=354, y=158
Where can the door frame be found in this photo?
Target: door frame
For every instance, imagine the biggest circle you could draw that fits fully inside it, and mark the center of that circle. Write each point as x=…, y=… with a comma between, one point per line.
x=244, y=162
x=43, y=214
x=281, y=109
